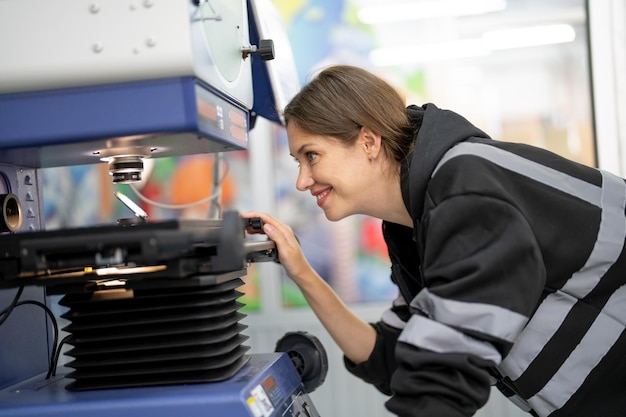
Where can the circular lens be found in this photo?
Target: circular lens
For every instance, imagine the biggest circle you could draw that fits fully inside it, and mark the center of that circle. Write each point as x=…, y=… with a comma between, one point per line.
x=126, y=169
x=11, y=213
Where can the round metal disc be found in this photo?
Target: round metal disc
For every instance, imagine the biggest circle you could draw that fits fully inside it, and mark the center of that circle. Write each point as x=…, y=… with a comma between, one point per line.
x=223, y=23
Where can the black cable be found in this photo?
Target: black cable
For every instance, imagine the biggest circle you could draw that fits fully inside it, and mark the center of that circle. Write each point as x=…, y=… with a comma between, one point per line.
x=4, y=314
x=55, y=326
x=58, y=353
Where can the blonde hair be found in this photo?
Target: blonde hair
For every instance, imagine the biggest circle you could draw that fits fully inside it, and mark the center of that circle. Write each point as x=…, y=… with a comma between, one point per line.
x=342, y=98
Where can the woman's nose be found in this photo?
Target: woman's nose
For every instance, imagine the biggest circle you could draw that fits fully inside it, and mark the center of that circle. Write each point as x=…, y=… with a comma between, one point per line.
x=304, y=180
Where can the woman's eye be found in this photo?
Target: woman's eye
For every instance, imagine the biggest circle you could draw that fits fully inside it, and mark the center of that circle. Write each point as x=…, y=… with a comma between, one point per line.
x=311, y=156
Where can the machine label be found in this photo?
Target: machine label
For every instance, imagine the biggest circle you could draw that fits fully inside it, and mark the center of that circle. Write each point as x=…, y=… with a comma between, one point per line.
x=259, y=403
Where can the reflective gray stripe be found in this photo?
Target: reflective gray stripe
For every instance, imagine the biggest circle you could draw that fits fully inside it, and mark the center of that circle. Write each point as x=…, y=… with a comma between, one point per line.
x=436, y=337
x=609, y=242
x=553, y=310
x=399, y=301
x=593, y=347
x=520, y=402
x=605, y=330
x=484, y=318
x=541, y=327
x=392, y=319
x=512, y=162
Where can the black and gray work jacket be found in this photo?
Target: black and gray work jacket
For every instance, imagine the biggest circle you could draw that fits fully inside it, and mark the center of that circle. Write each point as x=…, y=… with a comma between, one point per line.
x=514, y=274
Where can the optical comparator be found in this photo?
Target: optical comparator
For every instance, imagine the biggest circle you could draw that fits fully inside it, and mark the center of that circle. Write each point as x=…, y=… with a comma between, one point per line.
x=154, y=318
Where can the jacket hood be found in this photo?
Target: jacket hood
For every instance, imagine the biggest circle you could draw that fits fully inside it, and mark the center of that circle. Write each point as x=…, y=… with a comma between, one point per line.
x=438, y=131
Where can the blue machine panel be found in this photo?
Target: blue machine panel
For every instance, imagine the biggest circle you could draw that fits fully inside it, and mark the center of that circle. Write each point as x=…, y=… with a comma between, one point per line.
x=170, y=117
x=269, y=386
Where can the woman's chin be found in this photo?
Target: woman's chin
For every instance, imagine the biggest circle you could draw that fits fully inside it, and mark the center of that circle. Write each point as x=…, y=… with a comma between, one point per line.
x=333, y=216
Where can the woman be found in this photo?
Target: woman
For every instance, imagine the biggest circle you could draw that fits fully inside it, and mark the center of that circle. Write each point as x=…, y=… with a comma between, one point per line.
x=508, y=258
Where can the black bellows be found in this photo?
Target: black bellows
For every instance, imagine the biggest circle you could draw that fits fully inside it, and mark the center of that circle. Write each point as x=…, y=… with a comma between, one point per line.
x=155, y=335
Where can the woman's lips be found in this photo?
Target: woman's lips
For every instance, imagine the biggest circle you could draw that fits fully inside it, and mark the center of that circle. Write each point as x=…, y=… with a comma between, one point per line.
x=322, y=196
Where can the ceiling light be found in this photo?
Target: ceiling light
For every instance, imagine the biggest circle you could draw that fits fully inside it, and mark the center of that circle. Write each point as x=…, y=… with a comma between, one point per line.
x=398, y=55
x=474, y=47
x=528, y=36
x=428, y=9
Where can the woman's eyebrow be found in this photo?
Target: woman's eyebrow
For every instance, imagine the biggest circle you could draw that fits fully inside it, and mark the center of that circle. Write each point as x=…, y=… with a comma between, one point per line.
x=300, y=149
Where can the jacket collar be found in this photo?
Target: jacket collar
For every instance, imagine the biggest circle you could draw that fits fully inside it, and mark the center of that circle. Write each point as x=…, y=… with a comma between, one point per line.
x=438, y=131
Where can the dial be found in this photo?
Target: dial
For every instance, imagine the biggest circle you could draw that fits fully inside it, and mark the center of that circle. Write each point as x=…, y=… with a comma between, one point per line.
x=223, y=24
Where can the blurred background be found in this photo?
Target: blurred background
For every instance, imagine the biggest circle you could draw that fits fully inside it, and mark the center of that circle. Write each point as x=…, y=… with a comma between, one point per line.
x=521, y=70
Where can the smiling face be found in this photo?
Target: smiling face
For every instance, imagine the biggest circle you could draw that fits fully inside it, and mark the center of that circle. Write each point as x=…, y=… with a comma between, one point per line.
x=338, y=175
x=336, y=125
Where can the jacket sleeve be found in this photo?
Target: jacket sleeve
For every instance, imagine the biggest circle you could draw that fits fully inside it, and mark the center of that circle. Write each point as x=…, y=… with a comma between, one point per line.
x=381, y=364
x=483, y=275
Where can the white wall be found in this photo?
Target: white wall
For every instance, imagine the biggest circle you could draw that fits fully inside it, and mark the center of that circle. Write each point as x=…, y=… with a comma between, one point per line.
x=607, y=20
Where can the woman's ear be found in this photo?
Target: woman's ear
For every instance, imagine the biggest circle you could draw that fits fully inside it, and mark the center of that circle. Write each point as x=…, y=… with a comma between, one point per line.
x=371, y=142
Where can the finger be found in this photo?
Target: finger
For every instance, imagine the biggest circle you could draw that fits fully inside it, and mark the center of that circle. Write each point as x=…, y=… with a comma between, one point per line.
x=265, y=218
x=273, y=233
x=283, y=236
x=250, y=214
x=277, y=231
x=255, y=214
x=253, y=222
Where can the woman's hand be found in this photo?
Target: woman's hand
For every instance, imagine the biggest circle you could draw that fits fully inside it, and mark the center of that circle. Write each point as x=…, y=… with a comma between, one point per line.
x=290, y=253
x=355, y=337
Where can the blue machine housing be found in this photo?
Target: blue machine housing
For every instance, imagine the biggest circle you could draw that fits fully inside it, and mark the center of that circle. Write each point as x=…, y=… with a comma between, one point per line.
x=73, y=126
x=170, y=117
x=269, y=386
